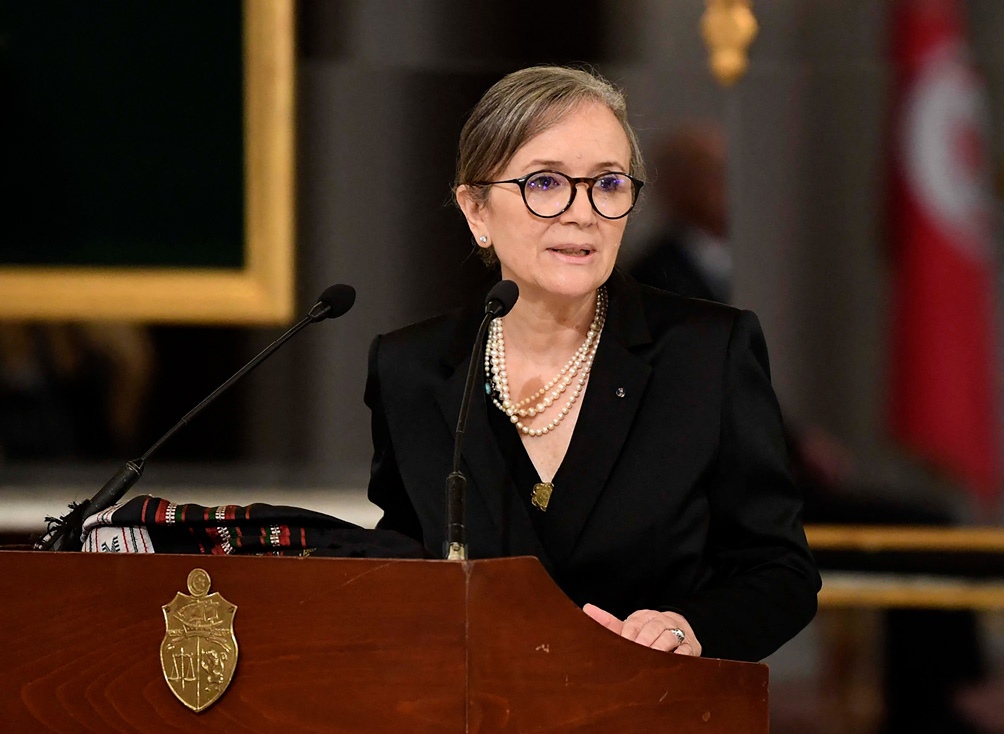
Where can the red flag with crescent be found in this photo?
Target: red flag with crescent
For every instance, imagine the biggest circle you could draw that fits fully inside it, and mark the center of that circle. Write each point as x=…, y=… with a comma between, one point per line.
x=943, y=389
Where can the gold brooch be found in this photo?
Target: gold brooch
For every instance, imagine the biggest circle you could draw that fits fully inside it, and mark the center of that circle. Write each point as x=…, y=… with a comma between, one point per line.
x=199, y=652
x=541, y=495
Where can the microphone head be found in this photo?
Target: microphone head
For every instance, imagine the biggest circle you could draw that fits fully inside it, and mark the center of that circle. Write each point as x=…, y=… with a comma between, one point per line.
x=333, y=302
x=501, y=298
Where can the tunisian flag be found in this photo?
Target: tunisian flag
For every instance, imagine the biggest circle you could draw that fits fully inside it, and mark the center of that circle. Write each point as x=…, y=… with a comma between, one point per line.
x=943, y=388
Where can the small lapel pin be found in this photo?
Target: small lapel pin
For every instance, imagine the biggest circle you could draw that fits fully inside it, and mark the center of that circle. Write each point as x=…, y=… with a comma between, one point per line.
x=620, y=392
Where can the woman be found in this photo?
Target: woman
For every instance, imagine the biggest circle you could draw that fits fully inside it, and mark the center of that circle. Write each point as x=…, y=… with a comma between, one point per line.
x=628, y=438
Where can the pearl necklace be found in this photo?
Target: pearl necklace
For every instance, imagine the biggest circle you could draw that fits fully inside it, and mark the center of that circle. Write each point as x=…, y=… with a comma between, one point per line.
x=581, y=363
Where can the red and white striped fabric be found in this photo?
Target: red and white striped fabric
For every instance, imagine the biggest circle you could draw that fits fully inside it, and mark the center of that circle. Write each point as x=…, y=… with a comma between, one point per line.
x=101, y=535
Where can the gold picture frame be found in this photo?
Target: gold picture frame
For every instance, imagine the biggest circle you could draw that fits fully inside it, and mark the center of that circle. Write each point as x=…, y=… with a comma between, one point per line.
x=260, y=292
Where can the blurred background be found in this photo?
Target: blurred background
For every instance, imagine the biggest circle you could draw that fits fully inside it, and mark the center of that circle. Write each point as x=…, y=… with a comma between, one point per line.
x=859, y=128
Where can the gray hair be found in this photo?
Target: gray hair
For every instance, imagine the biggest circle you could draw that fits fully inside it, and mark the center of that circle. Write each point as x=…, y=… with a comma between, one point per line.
x=524, y=104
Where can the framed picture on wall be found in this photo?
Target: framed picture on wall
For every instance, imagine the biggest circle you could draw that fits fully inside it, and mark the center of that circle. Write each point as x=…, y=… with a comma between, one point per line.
x=149, y=161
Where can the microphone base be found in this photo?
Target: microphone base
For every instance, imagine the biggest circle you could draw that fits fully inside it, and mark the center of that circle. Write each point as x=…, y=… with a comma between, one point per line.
x=456, y=552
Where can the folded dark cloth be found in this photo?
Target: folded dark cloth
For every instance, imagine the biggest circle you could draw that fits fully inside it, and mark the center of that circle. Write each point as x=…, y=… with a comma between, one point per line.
x=148, y=524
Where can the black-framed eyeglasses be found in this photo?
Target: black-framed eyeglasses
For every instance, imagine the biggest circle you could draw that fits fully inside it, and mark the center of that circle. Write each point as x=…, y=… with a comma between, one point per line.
x=549, y=193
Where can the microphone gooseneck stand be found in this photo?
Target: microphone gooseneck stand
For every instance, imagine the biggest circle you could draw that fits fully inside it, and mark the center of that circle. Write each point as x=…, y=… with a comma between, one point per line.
x=64, y=533
x=500, y=300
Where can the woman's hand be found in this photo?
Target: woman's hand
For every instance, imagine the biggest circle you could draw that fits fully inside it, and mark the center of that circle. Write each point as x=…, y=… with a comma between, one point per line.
x=659, y=630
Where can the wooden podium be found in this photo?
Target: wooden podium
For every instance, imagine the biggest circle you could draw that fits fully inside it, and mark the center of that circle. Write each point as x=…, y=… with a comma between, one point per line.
x=346, y=645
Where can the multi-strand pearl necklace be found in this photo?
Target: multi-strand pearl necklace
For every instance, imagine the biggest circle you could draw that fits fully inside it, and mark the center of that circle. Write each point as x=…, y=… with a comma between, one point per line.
x=579, y=366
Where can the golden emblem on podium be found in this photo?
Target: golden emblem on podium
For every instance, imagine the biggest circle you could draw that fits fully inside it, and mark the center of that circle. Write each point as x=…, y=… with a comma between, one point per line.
x=199, y=652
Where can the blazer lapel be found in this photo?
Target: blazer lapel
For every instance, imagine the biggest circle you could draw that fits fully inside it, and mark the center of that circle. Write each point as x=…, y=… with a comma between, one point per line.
x=489, y=486
x=613, y=394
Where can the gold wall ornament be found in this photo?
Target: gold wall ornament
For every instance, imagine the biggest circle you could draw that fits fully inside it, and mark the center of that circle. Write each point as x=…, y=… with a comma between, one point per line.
x=199, y=651
x=729, y=27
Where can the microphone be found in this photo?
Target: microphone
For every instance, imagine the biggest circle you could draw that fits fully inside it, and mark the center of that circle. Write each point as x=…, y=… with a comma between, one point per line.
x=64, y=533
x=499, y=301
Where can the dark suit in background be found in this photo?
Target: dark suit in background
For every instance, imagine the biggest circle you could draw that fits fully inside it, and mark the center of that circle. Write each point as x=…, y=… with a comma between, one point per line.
x=911, y=674
x=670, y=266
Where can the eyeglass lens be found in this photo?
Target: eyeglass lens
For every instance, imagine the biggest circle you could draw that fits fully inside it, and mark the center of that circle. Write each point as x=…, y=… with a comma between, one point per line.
x=548, y=193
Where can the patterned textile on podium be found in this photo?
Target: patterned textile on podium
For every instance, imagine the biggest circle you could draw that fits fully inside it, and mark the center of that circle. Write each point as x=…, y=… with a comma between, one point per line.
x=148, y=524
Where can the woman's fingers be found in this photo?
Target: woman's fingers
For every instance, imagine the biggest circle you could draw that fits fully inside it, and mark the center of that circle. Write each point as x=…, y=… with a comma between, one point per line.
x=603, y=617
x=665, y=631
x=651, y=629
x=686, y=648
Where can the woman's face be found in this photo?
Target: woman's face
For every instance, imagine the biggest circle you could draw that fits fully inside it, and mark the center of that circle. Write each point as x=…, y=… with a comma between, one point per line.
x=572, y=254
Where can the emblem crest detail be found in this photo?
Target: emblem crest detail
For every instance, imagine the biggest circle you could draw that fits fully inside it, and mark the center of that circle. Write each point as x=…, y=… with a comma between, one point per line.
x=199, y=651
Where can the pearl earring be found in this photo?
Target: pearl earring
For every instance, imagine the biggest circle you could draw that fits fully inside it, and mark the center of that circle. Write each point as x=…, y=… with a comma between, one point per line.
x=483, y=239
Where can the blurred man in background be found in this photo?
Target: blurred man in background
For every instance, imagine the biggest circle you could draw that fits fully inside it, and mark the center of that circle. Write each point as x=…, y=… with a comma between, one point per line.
x=690, y=256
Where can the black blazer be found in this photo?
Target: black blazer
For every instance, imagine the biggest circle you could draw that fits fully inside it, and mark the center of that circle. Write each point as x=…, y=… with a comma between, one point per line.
x=689, y=506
